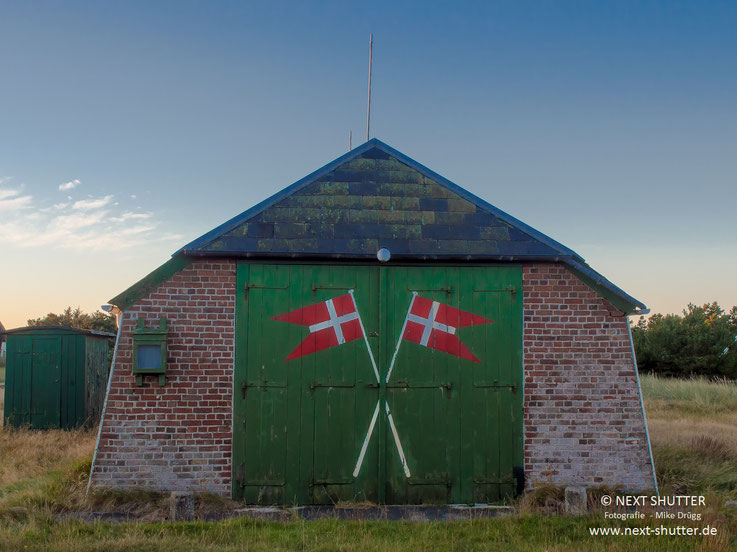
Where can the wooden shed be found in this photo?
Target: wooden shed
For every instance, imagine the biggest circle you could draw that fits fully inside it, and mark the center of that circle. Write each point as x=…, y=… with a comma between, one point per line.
x=55, y=376
x=374, y=332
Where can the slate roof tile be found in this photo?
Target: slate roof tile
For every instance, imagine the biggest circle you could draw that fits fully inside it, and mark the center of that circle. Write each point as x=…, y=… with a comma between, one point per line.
x=375, y=196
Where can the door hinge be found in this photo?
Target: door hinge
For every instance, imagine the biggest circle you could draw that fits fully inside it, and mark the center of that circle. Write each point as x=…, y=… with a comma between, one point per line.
x=404, y=385
x=315, y=287
x=511, y=387
x=445, y=289
x=248, y=286
x=508, y=289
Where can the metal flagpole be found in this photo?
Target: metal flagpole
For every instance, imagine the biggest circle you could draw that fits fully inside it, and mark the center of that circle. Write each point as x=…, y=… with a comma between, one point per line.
x=368, y=106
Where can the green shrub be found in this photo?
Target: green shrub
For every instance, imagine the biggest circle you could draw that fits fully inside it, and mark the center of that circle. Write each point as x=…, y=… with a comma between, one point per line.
x=692, y=344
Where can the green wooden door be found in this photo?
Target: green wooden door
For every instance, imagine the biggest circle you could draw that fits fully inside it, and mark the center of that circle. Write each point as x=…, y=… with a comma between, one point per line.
x=299, y=422
x=33, y=387
x=457, y=421
x=328, y=425
x=46, y=382
x=18, y=381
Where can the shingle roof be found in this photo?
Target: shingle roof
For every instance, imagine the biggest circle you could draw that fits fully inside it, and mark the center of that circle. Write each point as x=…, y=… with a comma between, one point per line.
x=372, y=197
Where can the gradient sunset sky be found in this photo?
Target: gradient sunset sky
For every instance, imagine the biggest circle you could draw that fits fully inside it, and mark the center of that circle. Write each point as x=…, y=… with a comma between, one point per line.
x=128, y=129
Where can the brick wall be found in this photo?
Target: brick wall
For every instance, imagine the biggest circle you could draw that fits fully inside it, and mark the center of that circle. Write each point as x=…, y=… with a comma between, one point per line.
x=583, y=422
x=176, y=437
x=582, y=417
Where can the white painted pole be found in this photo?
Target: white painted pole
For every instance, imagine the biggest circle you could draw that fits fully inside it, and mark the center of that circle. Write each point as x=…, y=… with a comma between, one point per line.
x=401, y=334
x=365, y=337
x=405, y=467
x=107, y=395
x=370, y=432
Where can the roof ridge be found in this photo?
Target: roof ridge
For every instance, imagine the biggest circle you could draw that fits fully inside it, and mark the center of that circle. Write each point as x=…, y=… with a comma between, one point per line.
x=402, y=158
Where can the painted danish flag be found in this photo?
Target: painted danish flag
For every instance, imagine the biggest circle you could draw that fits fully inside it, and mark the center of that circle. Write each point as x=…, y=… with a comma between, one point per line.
x=433, y=324
x=331, y=323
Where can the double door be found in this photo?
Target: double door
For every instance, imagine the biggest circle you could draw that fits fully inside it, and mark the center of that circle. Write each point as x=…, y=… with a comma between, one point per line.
x=33, y=386
x=391, y=408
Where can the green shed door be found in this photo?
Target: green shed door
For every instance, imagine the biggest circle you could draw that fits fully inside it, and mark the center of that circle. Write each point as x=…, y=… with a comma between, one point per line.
x=316, y=423
x=18, y=381
x=456, y=408
x=46, y=382
x=33, y=391
x=300, y=418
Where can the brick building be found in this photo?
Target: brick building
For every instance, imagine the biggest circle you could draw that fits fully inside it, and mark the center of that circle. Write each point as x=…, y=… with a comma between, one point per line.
x=276, y=359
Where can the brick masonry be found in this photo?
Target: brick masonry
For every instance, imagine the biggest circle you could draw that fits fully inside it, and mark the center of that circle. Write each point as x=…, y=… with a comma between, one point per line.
x=176, y=437
x=582, y=416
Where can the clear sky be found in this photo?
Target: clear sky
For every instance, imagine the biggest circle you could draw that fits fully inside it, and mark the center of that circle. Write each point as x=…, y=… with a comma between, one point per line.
x=128, y=129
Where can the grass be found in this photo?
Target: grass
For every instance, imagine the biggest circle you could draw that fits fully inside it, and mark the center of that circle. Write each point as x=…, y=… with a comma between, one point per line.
x=693, y=428
x=522, y=533
x=694, y=397
x=43, y=470
x=693, y=431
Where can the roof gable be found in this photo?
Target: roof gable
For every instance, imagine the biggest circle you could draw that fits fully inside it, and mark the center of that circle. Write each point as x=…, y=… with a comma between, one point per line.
x=375, y=197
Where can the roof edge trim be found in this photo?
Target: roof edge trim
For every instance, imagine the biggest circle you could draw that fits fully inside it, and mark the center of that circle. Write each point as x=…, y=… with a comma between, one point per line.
x=150, y=282
x=614, y=294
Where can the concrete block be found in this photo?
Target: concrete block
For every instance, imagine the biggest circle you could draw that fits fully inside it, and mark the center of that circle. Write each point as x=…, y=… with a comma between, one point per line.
x=181, y=506
x=575, y=501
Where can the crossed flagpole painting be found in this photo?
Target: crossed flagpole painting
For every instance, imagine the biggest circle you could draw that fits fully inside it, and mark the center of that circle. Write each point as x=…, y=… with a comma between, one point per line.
x=427, y=323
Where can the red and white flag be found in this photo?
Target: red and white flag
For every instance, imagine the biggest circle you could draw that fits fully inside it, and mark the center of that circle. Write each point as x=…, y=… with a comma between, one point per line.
x=433, y=324
x=331, y=323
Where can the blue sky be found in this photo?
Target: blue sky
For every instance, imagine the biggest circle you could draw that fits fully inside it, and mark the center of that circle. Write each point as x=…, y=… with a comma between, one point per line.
x=610, y=126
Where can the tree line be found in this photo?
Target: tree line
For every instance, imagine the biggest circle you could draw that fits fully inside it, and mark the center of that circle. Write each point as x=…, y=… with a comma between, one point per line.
x=699, y=342
x=75, y=318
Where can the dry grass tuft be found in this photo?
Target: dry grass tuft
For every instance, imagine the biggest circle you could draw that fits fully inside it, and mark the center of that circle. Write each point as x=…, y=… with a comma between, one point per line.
x=142, y=504
x=546, y=499
x=712, y=447
x=693, y=429
x=25, y=454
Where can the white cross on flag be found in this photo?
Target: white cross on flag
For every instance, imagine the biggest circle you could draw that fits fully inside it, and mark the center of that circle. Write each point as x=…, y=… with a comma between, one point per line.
x=433, y=324
x=331, y=323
